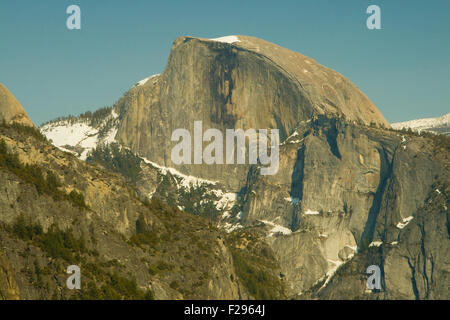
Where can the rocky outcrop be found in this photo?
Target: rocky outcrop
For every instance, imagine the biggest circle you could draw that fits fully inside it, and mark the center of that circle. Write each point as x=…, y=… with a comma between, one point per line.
x=342, y=189
x=118, y=240
x=11, y=110
x=415, y=266
x=8, y=286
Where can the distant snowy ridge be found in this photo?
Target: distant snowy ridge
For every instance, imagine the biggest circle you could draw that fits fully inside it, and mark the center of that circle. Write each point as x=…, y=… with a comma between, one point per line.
x=438, y=125
x=78, y=136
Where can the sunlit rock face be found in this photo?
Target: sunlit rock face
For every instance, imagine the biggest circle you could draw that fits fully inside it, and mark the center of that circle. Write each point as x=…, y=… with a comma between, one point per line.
x=237, y=83
x=11, y=110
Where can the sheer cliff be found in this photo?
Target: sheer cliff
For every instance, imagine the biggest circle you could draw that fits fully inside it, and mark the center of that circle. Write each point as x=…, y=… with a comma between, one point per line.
x=348, y=193
x=249, y=83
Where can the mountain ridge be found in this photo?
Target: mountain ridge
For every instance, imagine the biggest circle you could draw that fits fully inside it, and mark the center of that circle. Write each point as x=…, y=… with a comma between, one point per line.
x=440, y=125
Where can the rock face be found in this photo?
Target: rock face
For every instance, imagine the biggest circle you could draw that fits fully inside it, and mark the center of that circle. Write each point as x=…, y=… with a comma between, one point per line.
x=8, y=286
x=350, y=191
x=342, y=189
x=415, y=266
x=246, y=84
x=11, y=110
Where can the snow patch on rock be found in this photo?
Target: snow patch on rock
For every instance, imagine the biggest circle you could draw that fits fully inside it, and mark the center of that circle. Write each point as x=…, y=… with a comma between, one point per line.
x=186, y=180
x=311, y=212
x=144, y=81
x=292, y=200
x=79, y=134
x=228, y=227
x=277, y=228
x=227, y=39
x=404, y=222
x=375, y=244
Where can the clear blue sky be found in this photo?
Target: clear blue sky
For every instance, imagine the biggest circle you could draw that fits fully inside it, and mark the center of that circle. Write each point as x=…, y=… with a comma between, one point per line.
x=403, y=68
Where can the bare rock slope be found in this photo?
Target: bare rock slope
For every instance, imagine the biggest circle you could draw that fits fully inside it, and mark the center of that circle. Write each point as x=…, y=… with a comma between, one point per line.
x=11, y=110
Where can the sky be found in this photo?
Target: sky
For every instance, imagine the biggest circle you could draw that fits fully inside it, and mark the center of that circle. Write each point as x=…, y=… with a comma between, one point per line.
x=403, y=68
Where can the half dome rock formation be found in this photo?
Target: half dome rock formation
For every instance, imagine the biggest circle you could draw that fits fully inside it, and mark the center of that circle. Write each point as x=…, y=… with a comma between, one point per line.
x=11, y=110
x=235, y=82
x=327, y=91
